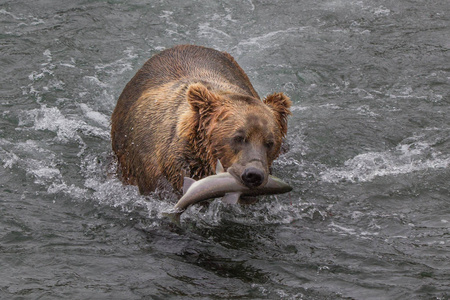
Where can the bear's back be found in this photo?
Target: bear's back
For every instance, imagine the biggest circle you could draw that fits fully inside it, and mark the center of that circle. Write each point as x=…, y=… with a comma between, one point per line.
x=185, y=64
x=190, y=63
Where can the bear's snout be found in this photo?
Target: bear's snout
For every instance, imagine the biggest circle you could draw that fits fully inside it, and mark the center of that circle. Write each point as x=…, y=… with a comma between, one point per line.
x=252, y=177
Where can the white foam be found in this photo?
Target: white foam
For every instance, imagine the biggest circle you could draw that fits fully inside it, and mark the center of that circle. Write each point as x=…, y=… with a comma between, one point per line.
x=114, y=193
x=405, y=158
x=94, y=115
x=166, y=14
x=299, y=108
x=95, y=81
x=9, y=159
x=381, y=11
x=48, y=54
x=51, y=118
x=365, y=111
x=119, y=66
x=37, y=21
x=268, y=40
x=258, y=40
x=343, y=229
x=205, y=30
x=223, y=19
x=67, y=65
x=70, y=190
x=7, y=13
x=269, y=210
x=251, y=4
x=38, y=162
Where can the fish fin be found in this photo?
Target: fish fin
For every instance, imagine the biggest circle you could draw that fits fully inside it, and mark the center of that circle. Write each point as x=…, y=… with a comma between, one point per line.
x=187, y=184
x=219, y=167
x=231, y=198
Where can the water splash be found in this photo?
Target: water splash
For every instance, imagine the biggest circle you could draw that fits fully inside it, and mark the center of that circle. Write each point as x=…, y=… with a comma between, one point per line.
x=269, y=210
x=405, y=158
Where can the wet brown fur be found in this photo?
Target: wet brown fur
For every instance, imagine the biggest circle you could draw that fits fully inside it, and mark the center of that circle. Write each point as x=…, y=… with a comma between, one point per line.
x=179, y=114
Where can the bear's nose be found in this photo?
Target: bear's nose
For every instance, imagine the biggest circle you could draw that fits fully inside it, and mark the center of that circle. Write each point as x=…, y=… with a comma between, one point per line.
x=252, y=177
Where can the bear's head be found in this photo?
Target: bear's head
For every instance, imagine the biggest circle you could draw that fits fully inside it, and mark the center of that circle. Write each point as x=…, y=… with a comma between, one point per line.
x=243, y=132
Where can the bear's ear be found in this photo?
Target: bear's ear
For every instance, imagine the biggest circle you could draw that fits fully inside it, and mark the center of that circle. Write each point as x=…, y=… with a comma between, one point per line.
x=280, y=104
x=200, y=98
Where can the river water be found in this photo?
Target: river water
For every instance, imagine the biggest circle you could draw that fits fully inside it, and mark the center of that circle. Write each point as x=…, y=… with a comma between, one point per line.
x=369, y=159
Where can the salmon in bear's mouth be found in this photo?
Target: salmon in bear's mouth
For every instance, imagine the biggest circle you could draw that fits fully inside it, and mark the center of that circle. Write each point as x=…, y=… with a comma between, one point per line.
x=224, y=184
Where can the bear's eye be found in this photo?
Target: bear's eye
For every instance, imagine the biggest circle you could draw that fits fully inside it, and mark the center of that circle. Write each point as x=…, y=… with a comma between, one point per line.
x=239, y=139
x=269, y=144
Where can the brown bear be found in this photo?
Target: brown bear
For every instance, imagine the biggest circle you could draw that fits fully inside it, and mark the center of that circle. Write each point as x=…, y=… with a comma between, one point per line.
x=187, y=107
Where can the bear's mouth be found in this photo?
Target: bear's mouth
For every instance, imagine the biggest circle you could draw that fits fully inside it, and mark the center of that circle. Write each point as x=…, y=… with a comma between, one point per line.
x=251, y=175
x=233, y=172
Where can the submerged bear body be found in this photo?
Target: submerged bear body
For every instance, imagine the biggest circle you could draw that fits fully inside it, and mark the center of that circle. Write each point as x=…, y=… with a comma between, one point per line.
x=187, y=107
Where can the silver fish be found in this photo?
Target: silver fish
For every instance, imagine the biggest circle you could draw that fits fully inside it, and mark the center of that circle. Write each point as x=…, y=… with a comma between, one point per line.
x=225, y=185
